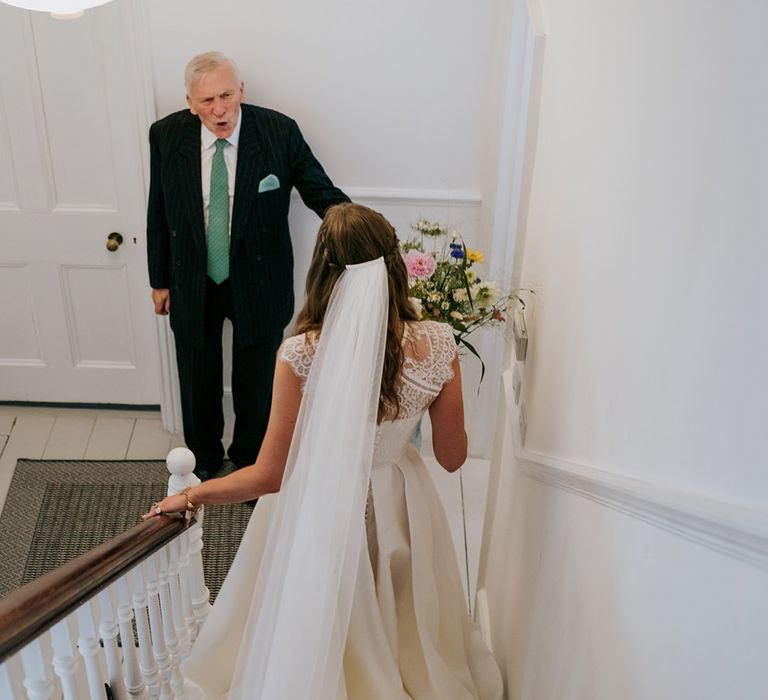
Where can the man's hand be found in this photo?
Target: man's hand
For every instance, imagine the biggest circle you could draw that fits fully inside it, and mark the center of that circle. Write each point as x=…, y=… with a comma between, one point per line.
x=161, y=298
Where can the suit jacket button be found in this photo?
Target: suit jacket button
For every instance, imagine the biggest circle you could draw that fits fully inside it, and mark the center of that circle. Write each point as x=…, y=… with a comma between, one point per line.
x=178, y=263
x=173, y=234
x=264, y=229
x=259, y=258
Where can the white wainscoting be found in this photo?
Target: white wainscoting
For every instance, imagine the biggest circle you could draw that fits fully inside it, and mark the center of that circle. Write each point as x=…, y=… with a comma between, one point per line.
x=735, y=529
x=674, y=588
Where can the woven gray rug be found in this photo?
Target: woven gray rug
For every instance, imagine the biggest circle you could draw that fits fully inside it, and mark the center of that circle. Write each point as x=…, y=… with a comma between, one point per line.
x=57, y=510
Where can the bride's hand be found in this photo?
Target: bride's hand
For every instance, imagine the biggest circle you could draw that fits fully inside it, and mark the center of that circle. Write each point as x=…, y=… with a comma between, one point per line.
x=172, y=504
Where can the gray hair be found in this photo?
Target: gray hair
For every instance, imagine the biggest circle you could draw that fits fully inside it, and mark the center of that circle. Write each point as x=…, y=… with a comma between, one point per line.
x=204, y=63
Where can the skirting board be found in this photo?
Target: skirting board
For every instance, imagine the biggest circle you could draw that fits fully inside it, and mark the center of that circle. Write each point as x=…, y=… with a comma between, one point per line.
x=737, y=530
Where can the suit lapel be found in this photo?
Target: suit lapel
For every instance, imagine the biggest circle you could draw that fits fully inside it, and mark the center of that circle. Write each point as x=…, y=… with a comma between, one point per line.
x=250, y=162
x=189, y=175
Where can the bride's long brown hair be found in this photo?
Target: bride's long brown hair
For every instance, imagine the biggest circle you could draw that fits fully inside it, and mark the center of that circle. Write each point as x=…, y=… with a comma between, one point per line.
x=351, y=234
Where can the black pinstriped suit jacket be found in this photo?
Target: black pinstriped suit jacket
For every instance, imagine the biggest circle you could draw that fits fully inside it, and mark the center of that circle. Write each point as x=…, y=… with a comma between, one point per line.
x=260, y=255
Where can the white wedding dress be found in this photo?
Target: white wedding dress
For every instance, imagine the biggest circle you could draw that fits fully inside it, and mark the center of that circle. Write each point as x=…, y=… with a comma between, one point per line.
x=409, y=634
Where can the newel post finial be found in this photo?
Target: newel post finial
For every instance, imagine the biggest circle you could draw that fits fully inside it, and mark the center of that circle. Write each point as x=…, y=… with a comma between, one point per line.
x=181, y=465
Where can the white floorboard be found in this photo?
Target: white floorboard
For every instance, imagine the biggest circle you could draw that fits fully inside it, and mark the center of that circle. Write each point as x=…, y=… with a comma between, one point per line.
x=177, y=440
x=70, y=436
x=27, y=439
x=111, y=437
x=6, y=422
x=149, y=439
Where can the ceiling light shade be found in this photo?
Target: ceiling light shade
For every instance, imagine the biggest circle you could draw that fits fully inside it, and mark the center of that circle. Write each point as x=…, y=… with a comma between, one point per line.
x=57, y=7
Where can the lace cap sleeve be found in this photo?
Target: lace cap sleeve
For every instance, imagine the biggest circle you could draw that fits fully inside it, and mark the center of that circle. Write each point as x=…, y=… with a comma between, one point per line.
x=297, y=352
x=443, y=352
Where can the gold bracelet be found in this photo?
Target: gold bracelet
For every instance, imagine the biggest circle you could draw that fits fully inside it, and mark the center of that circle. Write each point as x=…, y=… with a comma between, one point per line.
x=190, y=507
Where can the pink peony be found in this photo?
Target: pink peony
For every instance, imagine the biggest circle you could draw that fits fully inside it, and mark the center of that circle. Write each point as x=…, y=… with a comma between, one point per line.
x=419, y=265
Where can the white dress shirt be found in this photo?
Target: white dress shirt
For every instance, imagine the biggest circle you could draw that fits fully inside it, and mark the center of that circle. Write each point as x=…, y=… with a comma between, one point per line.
x=207, y=151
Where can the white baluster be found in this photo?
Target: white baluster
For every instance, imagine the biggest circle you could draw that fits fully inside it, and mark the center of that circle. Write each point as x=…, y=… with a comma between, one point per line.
x=181, y=463
x=159, y=650
x=6, y=687
x=66, y=664
x=37, y=678
x=183, y=631
x=169, y=625
x=147, y=663
x=134, y=682
x=186, y=592
x=12, y=678
x=88, y=644
x=108, y=632
x=200, y=593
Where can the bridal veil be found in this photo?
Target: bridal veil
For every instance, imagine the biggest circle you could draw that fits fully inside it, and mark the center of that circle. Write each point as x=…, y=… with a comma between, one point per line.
x=293, y=643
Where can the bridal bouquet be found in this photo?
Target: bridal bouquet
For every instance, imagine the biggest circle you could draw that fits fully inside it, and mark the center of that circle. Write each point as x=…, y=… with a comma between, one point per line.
x=444, y=285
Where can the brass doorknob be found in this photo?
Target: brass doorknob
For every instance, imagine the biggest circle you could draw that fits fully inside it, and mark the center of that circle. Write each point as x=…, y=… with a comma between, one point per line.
x=114, y=240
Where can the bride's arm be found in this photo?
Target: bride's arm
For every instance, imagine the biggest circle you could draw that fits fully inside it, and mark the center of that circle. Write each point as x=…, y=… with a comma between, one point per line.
x=266, y=475
x=449, y=440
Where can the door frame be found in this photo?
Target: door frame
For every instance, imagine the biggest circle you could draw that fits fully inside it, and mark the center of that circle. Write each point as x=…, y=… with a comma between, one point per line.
x=136, y=13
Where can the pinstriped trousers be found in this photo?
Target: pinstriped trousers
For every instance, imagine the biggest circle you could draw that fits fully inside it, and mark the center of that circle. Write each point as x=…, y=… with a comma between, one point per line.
x=202, y=389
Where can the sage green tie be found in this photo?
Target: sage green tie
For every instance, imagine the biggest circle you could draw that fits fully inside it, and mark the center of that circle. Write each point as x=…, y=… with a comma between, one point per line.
x=218, y=217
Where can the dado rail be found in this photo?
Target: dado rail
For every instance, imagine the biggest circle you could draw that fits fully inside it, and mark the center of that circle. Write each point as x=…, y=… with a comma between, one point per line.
x=117, y=621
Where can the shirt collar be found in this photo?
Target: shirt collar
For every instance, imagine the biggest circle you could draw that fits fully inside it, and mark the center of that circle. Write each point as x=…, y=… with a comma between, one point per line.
x=208, y=138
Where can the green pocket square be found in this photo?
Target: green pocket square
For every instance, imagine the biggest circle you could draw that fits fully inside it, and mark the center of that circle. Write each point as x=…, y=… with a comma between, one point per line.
x=270, y=182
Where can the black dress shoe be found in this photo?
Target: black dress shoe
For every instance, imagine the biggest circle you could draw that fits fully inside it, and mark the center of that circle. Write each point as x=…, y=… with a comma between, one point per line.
x=227, y=467
x=240, y=460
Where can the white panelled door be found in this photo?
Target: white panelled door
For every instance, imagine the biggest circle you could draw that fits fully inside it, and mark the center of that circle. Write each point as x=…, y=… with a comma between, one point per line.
x=76, y=323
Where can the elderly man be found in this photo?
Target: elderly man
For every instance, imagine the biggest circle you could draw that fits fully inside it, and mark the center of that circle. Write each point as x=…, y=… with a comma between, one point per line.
x=218, y=246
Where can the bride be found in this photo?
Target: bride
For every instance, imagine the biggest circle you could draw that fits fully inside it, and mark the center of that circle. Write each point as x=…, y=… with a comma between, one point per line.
x=346, y=583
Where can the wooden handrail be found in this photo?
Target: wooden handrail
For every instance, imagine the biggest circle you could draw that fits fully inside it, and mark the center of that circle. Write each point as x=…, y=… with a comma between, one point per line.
x=32, y=609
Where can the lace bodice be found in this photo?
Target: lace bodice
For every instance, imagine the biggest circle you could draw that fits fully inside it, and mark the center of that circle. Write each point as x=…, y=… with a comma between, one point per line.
x=429, y=350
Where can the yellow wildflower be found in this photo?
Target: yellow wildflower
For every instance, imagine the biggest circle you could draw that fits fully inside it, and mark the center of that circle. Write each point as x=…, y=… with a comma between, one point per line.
x=475, y=256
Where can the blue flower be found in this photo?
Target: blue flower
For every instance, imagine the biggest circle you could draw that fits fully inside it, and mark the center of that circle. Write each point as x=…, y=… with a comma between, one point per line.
x=457, y=253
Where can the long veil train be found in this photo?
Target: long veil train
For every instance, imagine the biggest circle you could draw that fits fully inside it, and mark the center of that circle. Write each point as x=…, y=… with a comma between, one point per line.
x=294, y=630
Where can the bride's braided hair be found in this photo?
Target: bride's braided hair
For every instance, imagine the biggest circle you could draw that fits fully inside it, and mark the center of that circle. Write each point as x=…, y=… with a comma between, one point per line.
x=351, y=234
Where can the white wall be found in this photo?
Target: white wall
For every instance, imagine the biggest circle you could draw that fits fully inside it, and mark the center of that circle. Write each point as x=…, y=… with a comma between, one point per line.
x=627, y=551
x=389, y=94
x=400, y=101
x=646, y=235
